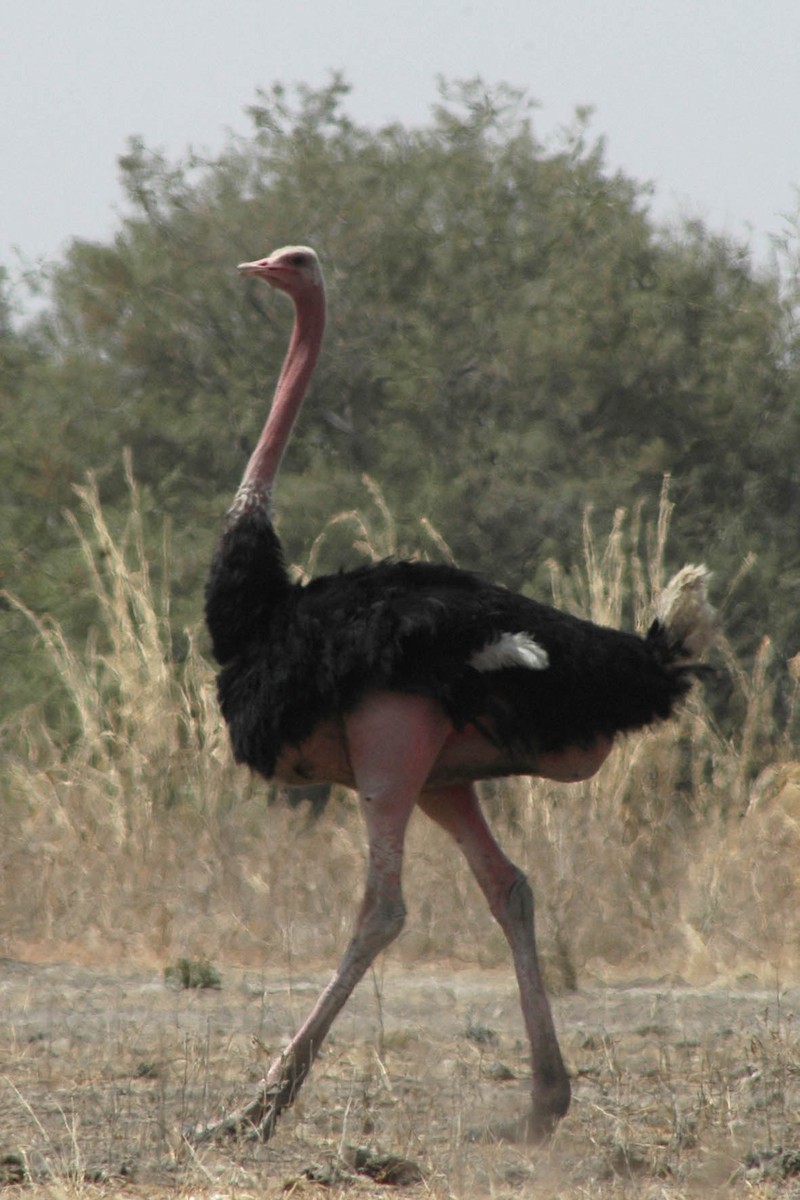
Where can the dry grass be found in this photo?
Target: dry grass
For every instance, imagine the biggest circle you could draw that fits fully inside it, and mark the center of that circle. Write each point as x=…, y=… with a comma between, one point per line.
x=677, y=862
x=147, y=836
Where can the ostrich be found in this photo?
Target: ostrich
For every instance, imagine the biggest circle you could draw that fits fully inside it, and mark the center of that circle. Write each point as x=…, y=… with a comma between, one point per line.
x=409, y=682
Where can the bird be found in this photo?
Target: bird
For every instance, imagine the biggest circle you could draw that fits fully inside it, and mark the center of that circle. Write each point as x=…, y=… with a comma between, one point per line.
x=410, y=682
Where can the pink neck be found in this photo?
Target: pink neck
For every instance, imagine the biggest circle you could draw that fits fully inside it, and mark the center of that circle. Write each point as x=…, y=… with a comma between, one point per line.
x=295, y=376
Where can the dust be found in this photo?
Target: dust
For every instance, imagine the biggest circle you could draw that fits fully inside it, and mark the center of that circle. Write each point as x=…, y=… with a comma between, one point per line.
x=676, y=1089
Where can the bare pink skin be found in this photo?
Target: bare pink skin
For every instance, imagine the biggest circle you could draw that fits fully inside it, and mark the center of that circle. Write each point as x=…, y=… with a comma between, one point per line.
x=303, y=283
x=398, y=751
x=465, y=756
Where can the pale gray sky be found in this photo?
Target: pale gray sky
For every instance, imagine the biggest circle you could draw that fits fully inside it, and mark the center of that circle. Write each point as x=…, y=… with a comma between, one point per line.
x=701, y=97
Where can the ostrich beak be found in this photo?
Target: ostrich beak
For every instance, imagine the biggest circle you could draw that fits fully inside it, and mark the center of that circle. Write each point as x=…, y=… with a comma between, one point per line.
x=259, y=268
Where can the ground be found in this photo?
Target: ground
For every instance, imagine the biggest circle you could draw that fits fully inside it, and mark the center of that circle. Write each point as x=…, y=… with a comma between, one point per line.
x=677, y=1091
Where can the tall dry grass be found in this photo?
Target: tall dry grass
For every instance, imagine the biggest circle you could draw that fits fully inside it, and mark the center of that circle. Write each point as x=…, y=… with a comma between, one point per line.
x=138, y=835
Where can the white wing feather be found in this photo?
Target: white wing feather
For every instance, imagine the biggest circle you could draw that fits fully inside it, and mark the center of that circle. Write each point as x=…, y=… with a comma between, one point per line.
x=511, y=650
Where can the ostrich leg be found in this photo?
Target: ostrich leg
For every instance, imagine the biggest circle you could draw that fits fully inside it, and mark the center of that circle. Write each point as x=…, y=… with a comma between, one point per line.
x=457, y=810
x=392, y=740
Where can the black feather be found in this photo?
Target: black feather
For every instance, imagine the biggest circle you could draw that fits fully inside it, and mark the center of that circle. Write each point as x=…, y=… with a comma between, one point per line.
x=293, y=655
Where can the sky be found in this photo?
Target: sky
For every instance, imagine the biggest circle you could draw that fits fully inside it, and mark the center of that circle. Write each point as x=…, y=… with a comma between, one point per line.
x=700, y=98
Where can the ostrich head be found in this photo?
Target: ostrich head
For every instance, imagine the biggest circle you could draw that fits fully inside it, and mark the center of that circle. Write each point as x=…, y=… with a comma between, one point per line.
x=292, y=269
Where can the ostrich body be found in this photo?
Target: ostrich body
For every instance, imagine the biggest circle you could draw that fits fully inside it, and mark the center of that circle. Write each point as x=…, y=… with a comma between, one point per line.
x=410, y=681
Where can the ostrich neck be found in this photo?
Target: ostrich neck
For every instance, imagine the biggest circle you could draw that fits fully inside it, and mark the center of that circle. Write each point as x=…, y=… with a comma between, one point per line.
x=295, y=377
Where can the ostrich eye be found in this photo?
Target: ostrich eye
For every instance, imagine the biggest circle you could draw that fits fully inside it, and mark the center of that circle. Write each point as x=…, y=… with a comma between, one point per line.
x=298, y=260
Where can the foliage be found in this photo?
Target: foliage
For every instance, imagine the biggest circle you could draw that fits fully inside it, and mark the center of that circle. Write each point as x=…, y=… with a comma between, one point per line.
x=193, y=973
x=510, y=339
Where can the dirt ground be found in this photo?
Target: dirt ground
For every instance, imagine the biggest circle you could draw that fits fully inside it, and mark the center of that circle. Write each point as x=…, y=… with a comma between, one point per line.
x=677, y=1091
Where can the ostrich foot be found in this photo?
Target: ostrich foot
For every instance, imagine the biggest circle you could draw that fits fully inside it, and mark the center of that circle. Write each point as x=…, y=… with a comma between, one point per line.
x=534, y=1127
x=256, y=1120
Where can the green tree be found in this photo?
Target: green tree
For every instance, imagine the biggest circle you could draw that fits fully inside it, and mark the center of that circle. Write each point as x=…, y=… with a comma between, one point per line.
x=510, y=339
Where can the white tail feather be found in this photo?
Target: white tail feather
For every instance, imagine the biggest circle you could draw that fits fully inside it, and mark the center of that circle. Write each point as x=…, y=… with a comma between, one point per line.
x=684, y=611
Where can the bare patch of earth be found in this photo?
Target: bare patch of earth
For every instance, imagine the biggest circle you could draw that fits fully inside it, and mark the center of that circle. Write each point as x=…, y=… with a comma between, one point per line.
x=676, y=1090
